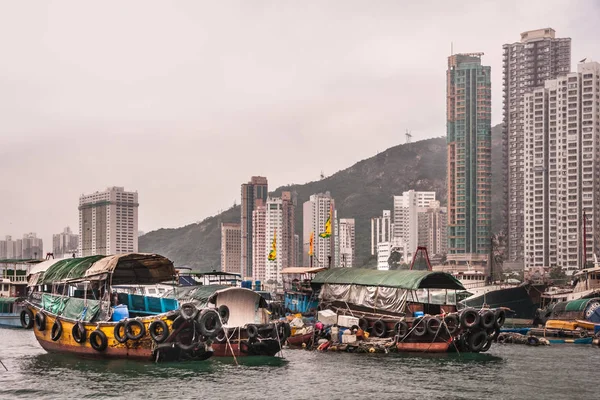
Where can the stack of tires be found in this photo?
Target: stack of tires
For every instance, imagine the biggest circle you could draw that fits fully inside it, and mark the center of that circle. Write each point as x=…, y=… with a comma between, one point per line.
x=479, y=329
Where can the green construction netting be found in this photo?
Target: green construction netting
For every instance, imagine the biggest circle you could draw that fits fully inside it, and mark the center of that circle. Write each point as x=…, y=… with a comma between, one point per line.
x=410, y=280
x=70, y=307
x=69, y=268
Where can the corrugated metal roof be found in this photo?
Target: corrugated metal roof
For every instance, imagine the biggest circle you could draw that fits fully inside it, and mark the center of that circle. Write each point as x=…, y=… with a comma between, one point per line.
x=404, y=279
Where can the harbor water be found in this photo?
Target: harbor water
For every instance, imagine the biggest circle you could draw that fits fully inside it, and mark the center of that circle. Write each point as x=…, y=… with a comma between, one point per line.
x=505, y=372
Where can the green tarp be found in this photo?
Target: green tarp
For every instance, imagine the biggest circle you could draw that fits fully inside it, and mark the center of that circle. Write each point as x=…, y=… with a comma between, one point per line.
x=199, y=293
x=69, y=268
x=70, y=307
x=410, y=280
x=577, y=305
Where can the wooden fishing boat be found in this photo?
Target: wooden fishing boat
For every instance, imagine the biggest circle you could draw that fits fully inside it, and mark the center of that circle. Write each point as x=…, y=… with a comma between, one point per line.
x=72, y=309
x=246, y=327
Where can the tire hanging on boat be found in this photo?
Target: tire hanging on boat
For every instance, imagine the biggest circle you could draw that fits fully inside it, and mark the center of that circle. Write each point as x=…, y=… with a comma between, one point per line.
x=98, y=340
x=159, y=331
x=433, y=325
x=500, y=318
x=452, y=323
x=487, y=319
x=477, y=340
x=469, y=318
x=252, y=331
x=363, y=324
x=40, y=321
x=224, y=313
x=209, y=323
x=419, y=326
x=129, y=331
x=189, y=311
x=117, y=332
x=401, y=329
x=379, y=329
x=56, y=331
x=78, y=332
x=27, y=319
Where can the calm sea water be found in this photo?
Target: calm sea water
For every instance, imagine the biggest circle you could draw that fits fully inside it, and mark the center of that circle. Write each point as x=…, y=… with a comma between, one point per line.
x=506, y=372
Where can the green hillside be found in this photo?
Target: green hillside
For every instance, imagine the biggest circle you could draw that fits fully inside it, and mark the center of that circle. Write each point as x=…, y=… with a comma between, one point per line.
x=361, y=192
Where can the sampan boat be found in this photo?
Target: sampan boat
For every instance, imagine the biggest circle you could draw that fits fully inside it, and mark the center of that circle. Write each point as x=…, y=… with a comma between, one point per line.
x=246, y=329
x=72, y=309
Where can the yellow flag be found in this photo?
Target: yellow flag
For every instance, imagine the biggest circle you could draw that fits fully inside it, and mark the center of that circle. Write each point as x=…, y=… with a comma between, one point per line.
x=311, y=244
x=327, y=232
x=273, y=252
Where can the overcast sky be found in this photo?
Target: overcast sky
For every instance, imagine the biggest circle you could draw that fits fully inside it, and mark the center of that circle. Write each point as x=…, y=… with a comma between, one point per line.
x=185, y=100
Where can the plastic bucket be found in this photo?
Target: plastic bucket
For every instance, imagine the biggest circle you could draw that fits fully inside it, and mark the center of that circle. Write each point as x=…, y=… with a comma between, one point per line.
x=120, y=312
x=418, y=314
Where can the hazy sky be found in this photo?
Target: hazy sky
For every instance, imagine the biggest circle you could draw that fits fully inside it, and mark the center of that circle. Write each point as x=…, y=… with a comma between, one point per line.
x=184, y=100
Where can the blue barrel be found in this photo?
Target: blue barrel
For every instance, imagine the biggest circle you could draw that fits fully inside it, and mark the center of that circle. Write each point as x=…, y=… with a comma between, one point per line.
x=257, y=285
x=247, y=284
x=120, y=312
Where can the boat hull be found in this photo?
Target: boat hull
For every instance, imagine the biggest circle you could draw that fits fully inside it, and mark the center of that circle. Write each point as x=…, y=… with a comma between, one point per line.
x=523, y=300
x=10, y=320
x=264, y=348
x=299, y=340
x=422, y=347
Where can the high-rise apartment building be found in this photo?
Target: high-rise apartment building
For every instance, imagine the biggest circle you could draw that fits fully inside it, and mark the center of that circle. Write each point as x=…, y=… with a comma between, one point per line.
x=274, y=240
x=316, y=211
x=469, y=100
x=259, y=241
x=381, y=230
x=289, y=201
x=406, y=217
x=433, y=225
x=526, y=65
x=254, y=190
x=32, y=246
x=347, y=242
x=11, y=249
x=64, y=243
x=108, y=222
x=561, y=166
x=231, y=248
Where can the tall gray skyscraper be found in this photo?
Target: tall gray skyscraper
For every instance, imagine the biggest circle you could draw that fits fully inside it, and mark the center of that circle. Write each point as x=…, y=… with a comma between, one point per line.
x=257, y=188
x=526, y=65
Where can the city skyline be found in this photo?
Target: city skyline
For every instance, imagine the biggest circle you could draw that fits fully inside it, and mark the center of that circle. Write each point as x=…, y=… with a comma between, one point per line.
x=362, y=66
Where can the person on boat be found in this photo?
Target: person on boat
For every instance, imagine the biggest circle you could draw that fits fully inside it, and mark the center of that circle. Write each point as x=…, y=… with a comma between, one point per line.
x=114, y=299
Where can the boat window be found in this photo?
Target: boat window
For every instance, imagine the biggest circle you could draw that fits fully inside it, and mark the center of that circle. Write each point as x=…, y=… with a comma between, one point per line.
x=161, y=290
x=152, y=291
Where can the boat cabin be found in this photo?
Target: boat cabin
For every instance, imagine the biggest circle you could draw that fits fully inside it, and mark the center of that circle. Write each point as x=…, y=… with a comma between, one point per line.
x=299, y=294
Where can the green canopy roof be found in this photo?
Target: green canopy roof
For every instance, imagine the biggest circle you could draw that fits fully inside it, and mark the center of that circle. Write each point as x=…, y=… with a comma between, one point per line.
x=68, y=269
x=403, y=279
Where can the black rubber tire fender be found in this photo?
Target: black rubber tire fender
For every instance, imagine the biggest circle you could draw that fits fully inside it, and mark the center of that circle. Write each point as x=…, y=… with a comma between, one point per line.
x=40, y=321
x=153, y=329
x=224, y=313
x=221, y=336
x=117, y=332
x=401, y=329
x=379, y=329
x=487, y=319
x=469, y=318
x=363, y=324
x=189, y=311
x=533, y=341
x=252, y=331
x=56, y=331
x=500, y=318
x=79, y=333
x=419, y=326
x=434, y=325
x=282, y=330
x=209, y=323
x=129, y=332
x=487, y=345
x=27, y=319
x=98, y=335
x=477, y=340
x=452, y=323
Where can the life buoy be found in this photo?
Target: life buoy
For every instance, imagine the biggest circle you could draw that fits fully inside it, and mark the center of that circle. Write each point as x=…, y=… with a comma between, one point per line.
x=476, y=340
x=224, y=313
x=252, y=331
x=78, y=332
x=27, y=318
x=56, y=331
x=129, y=331
x=469, y=318
x=487, y=319
x=379, y=329
x=401, y=329
x=40, y=321
x=121, y=338
x=419, y=326
x=500, y=318
x=452, y=323
x=363, y=324
x=98, y=340
x=209, y=323
x=159, y=331
x=189, y=311
x=433, y=325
